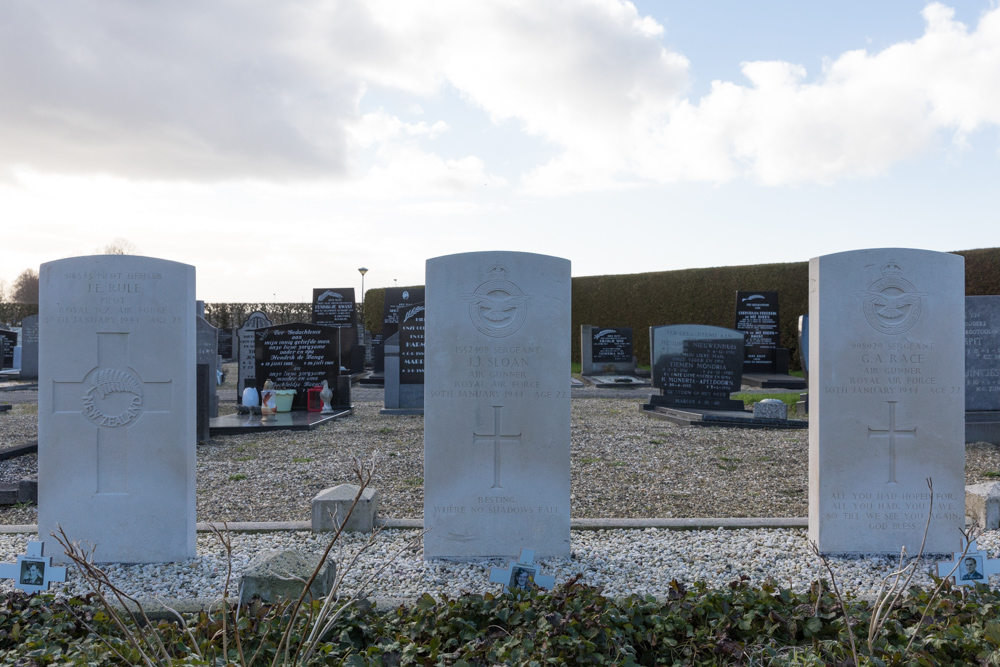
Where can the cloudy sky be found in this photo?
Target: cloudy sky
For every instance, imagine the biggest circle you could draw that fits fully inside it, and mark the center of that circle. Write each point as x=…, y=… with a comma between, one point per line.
x=280, y=146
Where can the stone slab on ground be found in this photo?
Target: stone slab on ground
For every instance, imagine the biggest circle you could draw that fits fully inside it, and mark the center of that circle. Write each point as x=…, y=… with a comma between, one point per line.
x=336, y=502
x=237, y=424
x=726, y=418
x=617, y=381
x=774, y=381
x=281, y=575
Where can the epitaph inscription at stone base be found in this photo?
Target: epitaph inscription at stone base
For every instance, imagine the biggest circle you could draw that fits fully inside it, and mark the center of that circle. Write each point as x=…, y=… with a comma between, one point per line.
x=982, y=353
x=887, y=400
x=116, y=406
x=496, y=408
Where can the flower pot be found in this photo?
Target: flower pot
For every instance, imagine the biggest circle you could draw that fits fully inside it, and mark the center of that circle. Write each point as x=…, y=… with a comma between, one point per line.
x=283, y=399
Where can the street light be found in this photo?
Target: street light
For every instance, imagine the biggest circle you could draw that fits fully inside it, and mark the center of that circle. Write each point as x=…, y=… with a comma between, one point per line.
x=363, y=271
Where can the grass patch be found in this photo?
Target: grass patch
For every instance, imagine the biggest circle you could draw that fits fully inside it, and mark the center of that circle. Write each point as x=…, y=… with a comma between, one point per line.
x=301, y=459
x=238, y=477
x=385, y=430
x=414, y=481
x=657, y=441
x=589, y=460
x=748, y=398
x=992, y=474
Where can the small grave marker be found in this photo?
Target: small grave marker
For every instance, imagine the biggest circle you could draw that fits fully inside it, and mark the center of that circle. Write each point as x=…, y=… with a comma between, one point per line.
x=974, y=567
x=32, y=572
x=522, y=574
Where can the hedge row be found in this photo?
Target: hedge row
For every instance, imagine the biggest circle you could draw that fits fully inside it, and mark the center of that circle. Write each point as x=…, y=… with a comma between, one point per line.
x=638, y=300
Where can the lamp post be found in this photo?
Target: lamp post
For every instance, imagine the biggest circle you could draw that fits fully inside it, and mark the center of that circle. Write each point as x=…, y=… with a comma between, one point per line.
x=364, y=327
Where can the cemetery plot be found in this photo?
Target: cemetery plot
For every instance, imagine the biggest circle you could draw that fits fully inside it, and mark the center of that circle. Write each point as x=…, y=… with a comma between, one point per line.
x=116, y=406
x=887, y=400
x=497, y=413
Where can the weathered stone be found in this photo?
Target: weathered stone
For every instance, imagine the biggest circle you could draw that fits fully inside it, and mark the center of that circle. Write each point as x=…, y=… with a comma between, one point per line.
x=982, y=504
x=336, y=501
x=27, y=490
x=281, y=575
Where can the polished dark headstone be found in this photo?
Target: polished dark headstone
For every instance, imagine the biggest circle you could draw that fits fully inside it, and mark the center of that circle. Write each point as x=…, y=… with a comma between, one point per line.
x=300, y=356
x=757, y=318
x=335, y=307
x=226, y=343
x=9, y=341
x=411, y=345
x=696, y=366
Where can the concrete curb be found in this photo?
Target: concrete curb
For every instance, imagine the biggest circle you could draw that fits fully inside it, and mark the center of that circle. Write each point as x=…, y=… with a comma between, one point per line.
x=575, y=524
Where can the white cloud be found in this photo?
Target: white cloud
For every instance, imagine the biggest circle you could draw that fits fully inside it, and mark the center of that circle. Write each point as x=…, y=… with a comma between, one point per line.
x=208, y=90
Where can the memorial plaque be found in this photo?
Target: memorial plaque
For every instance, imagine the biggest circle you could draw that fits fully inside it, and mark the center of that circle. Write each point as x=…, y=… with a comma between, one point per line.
x=226, y=343
x=696, y=366
x=29, y=348
x=612, y=345
x=887, y=400
x=396, y=299
x=496, y=408
x=411, y=345
x=8, y=339
x=116, y=406
x=982, y=353
x=247, y=346
x=757, y=318
x=334, y=307
x=298, y=356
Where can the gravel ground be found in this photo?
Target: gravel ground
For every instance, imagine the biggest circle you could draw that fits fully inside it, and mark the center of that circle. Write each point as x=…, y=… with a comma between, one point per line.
x=624, y=464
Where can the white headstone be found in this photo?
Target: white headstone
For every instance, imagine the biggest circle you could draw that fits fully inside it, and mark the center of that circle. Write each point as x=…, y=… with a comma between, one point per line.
x=247, y=345
x=116, y=406
x=496, y=406
x=887, y=400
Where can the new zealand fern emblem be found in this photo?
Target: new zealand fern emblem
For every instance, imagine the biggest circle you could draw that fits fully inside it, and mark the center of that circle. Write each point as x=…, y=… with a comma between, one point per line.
x=114, y=398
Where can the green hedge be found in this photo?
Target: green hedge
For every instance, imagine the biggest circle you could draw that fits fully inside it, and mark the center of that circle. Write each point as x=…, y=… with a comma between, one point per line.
x=703, y=296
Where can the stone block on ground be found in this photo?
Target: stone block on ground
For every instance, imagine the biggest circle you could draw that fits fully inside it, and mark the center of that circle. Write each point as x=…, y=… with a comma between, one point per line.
x=27, y=490
x=8, y=494
x=982, y=504
x=281, y=575
x=770, y=408
x=336, y=501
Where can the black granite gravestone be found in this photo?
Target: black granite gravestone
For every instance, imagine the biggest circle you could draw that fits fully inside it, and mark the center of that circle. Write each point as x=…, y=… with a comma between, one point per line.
x=396, y=299
x=226, y=343
x=29, y=348
x=300, y=356
x=411, y=345
x=757, y=318
x=611, y=345
x=207, y=352
x=982, y=369
x=9, y=343
x=696, y=366
x=335, y=307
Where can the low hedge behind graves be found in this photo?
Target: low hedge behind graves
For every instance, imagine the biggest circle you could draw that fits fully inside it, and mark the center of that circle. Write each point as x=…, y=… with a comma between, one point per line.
x=703, y=296
x=637, y=300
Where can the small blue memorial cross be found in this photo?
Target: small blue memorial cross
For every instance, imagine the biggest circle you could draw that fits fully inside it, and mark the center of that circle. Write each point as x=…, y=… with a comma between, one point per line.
x=972, y=568
x=522, y=574
x=32, y=573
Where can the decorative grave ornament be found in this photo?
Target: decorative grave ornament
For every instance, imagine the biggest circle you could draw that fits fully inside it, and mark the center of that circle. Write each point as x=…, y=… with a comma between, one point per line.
x=522, y=574
x=325, y=396
x=32, y=573
x=970, y=567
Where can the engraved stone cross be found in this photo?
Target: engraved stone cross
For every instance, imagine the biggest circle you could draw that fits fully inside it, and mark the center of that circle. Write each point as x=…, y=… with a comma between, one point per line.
x=111, y=396
x=497, y=439
x=892, y=433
